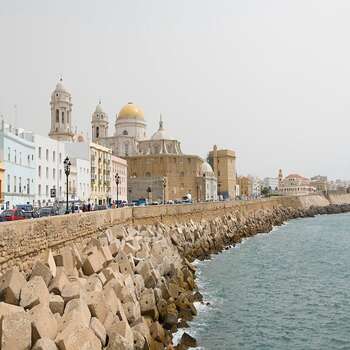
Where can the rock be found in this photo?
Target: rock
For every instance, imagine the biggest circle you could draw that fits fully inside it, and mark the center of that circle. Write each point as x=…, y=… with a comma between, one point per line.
x=117, y=342
x=45, y=344
x=58, y=282
x=8, y=309
x=44, y=324
x=157, y=332
x=16, y=332
x=79, y=339
x=66, y=260
x=122, y=329
x=42, y=270
x=99, y=330
x=11, y=284
x=49, y=261
x=93, y=263
x=148, y=304
x=98, y=306
x=71, y=291
x=81, y=307
x=56, y=304
x=188, y=341
x=34, y=292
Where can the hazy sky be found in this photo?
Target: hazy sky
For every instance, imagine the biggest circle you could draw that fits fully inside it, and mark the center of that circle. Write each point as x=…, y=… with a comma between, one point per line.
x=267, y=78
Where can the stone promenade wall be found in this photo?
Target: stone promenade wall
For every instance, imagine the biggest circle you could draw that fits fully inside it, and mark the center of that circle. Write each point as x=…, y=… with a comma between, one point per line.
x=23, y=241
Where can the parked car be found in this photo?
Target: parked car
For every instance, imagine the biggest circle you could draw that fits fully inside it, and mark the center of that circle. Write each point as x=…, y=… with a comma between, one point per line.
x=14, y=214
x=27, y=209
x=47, y=211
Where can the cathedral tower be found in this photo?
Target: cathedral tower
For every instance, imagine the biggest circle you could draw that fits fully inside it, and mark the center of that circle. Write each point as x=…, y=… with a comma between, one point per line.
x=61, y=110
x=99, y=124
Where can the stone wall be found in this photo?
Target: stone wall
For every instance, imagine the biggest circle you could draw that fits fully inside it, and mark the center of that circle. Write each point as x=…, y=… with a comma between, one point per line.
x=22, y=241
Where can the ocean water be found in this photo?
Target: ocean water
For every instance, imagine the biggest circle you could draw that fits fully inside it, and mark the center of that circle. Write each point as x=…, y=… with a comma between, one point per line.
x=289, y=289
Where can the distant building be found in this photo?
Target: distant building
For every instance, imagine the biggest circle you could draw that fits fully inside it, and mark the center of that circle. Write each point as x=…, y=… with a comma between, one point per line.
x=256, y=184
x=245, y=187
x=223, y=163
x=49, y=170
x=2, y=183
x=119, y=168
x=17, y=152
x=295, y=184
x=320, y=183
x=100, y=174
x=271, y=183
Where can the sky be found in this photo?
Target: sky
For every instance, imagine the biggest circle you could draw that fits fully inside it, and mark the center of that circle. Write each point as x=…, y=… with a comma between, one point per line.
x=269, y=79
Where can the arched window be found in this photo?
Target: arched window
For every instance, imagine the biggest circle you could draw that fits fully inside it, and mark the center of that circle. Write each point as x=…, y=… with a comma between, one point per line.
x=62, y=117
x=148, y=174
x=97, y=132
x=125, y=132
x=57, y=116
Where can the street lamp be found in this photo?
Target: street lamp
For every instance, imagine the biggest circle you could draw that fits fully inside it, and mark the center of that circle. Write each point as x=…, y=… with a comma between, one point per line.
x=149, y=191
x=67, y=165
x=164, y=187
x=117, y=182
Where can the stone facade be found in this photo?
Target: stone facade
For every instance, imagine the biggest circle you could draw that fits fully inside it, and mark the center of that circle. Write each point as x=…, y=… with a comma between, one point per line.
x=223, y=163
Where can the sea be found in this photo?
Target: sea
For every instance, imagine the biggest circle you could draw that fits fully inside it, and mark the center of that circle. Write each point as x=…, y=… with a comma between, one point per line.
x=287, y=289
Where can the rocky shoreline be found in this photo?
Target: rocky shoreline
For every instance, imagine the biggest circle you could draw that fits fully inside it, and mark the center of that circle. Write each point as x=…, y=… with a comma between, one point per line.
x=131, y=287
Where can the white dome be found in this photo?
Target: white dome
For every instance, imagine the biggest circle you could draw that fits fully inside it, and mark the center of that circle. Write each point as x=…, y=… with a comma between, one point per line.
x=206, y=169
x=161, y=134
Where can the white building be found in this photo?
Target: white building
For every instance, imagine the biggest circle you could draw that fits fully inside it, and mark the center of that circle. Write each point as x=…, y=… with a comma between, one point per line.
x=271, y=183
x=120, y=167
x=209, y=183
x=79, y=184
x=256, y=184
x=49, y=170
x=17, y=151
x=295, y=184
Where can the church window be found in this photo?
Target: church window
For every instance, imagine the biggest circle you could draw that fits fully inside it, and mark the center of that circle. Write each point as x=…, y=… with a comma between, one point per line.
x=125, y=132
x=148, y=174
x=62, y=117
x=97, y=132
x=182, y=173
x=57, y=116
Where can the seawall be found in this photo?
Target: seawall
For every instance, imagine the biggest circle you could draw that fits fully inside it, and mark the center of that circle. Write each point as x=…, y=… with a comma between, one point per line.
x=122, y=279
x=22, y=242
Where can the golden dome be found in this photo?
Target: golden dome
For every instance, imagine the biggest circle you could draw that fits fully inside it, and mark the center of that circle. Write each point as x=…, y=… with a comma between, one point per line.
x=131, y=111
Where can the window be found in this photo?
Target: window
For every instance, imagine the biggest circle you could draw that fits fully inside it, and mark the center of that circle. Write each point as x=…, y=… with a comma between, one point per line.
x=53, y=156
x=39, y=170
x=28, y=186
x=47, y=172
x=47, y=190
x=54, y=173
x=60, y=174
x=15, y=156
x=97, y=132
x=8, y=183
x=39, y=190
x=62, y=117
x=20, y=185
x=47, y=154
x=60, y=157
x=15, y=184
x=39, y=152
x=125, y=132
x=20, y=158
x=28, y=160
x=67, y=117
x=9, y=154
x=57, y=116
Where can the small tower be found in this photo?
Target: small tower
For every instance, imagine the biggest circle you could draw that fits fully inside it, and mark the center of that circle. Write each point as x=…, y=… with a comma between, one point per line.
x=280, y=178
x=99, y=124
x=61, y=114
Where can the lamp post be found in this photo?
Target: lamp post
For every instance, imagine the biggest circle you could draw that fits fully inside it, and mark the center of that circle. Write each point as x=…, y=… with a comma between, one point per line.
x=117, y=182
x=67, y=165
x=164, y=187
x=149, y=191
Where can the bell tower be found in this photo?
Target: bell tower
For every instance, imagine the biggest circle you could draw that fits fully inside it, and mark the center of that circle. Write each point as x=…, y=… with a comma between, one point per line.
x=61, y=114
x=99, y=124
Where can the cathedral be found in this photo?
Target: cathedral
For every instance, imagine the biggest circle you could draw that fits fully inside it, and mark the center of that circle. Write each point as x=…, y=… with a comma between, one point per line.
x=157, y=168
